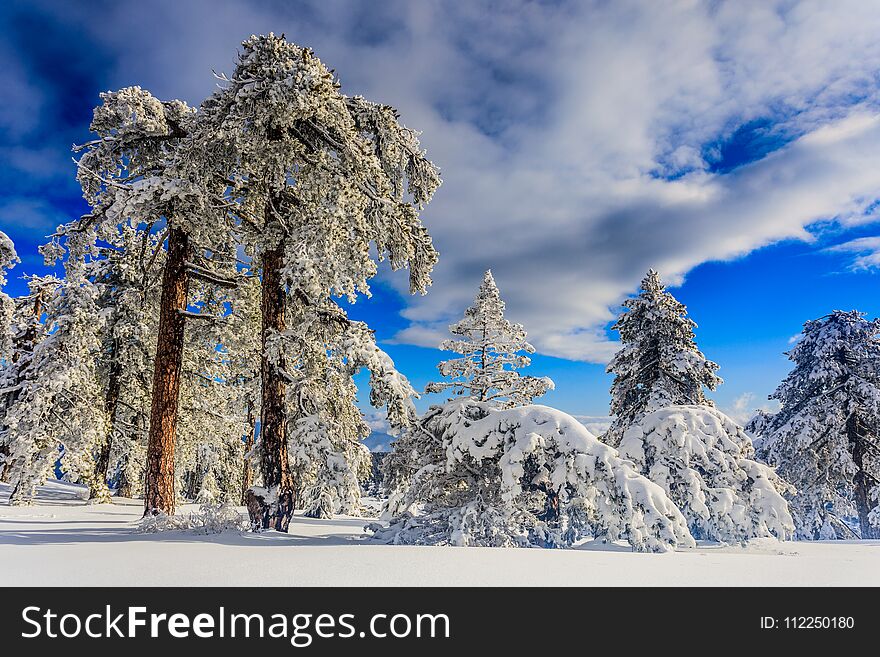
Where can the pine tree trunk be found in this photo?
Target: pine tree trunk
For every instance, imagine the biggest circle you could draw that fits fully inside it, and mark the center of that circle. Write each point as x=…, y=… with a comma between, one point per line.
x=274, y=509
x=856, y=434
x=159, y=483
x=111, y=402
x=247, y=475
x=124, y=489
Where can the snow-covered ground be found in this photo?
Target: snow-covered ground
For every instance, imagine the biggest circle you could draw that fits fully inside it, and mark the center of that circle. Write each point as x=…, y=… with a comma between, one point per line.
x=63, y=541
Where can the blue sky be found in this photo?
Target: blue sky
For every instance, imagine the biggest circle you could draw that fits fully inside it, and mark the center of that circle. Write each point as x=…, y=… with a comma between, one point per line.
x=735, y=147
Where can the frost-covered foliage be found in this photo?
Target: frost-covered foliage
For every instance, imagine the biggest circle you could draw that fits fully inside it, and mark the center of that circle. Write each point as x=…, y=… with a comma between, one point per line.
x=26, y=329
x=210, y=449
x=492, y=349
x=55, y=406
x=824, y=438
x=325, y=426
x=318, y=173
x=8, y=260
x=528, y=476
x=658, y=363
x=125, y=272
x=328, y=466
x=142, y=169
x=704, y=462
x=210, y=519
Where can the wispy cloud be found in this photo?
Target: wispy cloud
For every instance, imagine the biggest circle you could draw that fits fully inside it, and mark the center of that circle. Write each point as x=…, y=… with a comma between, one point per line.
x=865, y=251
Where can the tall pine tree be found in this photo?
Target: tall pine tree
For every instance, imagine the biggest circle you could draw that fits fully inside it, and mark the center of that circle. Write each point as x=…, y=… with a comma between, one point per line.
x=824, y=439
x=658, y=364
x=492, y=349
x=319, y=179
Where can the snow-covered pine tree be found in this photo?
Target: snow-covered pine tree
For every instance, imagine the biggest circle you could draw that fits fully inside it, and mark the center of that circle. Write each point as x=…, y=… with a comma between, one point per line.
x=492, y=349
x=242, y=344
x=58, y=410
x=318, y=177
x=140, y=169
x=526, y=476
x=704, y=462
x=824, y=438
x=658, y=363
x=26, y=330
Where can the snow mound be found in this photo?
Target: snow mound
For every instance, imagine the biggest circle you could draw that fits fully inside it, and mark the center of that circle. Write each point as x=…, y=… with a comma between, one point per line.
x=210, y=519
x=527, y=476
x=702, y=459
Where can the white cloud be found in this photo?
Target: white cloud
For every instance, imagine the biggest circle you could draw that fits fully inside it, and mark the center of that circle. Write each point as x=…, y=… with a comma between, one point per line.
x=866, y=252
x=575, y=139
x=744, y=407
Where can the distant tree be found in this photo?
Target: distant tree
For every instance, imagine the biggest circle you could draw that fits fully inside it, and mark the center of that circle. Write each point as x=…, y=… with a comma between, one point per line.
x=658, y=363
x=126, y=274
x=242, y=344
x=492, y=350
x=317, y=178
x=210, y=449
x=824, y=439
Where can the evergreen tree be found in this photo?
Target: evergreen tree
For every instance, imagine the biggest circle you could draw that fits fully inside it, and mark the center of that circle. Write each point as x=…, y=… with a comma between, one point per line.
x=658, y=364
x=126, y=274
x=491, y=349
x=704, y=461
x=824, y=438
x=210, y=449
x=27, y=329
x=142, y=170
x=317, y=178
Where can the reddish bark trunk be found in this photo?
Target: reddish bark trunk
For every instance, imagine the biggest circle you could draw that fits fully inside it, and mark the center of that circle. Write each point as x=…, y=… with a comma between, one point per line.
x=275, y=510
x=159, y=482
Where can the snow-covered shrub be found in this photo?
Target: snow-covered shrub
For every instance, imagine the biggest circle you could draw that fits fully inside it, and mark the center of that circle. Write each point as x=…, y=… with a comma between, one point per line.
x=471, y=474
x=703, y=460
x=210, y=519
